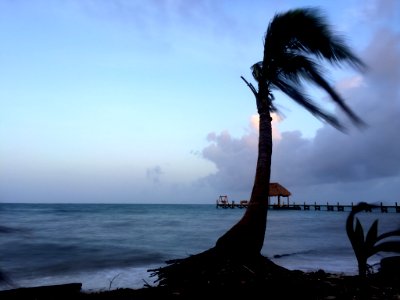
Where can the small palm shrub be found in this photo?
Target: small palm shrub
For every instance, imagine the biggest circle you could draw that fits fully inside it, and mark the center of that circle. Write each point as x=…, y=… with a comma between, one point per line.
x=372, y=243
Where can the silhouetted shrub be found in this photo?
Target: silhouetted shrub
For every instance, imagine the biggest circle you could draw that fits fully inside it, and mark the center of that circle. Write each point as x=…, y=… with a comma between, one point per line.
x=372, y=243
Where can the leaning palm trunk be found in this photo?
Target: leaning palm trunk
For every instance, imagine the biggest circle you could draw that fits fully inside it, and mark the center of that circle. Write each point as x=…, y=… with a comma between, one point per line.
x=247, y=236
x=236, y=257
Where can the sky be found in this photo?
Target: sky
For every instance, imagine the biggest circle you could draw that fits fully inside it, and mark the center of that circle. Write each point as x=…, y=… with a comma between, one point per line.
x=142, y=102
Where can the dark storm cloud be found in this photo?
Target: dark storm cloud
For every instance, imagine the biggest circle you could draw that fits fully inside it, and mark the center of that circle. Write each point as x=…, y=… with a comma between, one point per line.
x=331, y=159
x=367, y=154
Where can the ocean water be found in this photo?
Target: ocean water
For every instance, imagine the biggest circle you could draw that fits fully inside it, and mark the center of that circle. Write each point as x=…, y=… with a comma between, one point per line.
x=108, y=246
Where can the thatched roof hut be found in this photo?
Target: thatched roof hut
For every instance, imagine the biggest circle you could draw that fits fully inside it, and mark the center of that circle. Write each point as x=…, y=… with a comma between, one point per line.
x=276, y=190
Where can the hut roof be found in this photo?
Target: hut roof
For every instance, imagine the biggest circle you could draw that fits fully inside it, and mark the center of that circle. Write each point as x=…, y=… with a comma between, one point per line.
x=275, y=189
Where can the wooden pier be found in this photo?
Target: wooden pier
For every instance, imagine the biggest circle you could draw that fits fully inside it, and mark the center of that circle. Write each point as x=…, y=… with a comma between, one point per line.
x=223, y=202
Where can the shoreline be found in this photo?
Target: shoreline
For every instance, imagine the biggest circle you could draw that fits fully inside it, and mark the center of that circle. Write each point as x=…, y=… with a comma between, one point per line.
x=319, y=284
x=126, y=278
x=138, y=277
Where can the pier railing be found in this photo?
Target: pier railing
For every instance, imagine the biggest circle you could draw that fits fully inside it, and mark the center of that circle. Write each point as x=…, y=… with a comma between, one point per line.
x=318, y=207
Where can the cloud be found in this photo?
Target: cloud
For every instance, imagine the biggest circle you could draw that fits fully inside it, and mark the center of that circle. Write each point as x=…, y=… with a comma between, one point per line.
x=235, y=158
x=276, y=119
x=154, y=174
x=350, y=83
x=351, y=164
x=378, y=10
x=159, y=18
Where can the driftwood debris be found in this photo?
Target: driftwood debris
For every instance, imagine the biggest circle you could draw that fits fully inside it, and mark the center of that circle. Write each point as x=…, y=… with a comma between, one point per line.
x=61, y=291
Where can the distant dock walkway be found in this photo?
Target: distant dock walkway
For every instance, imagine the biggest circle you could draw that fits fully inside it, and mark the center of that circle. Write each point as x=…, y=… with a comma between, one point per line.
x=223, y=202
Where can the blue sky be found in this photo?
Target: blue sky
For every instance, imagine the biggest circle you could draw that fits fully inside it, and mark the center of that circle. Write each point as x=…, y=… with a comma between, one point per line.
x=142, y=102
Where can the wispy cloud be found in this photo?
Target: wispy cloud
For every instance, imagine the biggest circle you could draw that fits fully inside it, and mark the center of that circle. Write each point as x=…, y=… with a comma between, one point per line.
x=154, y=174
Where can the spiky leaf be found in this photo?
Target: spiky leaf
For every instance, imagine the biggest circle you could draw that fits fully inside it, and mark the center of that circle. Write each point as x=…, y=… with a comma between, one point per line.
x=358, y=238
x=392, y=246
x=371, y=237
x=389, y=234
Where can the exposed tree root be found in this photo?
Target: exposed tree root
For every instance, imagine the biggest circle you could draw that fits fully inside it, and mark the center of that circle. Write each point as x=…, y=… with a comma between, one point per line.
x=212, y=272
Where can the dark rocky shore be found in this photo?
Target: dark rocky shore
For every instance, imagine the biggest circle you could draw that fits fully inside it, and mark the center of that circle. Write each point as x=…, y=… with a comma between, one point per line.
x=254, y=280
x=314, y=285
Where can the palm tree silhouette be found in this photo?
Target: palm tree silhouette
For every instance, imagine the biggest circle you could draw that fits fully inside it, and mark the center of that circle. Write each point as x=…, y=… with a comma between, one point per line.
x=295, y=45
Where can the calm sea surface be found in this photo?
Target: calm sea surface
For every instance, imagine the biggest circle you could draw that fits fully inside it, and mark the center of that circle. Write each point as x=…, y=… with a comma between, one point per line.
x=107, y=246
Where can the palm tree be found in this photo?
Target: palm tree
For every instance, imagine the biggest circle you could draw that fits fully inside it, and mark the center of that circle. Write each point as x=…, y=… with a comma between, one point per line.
x=296, y=42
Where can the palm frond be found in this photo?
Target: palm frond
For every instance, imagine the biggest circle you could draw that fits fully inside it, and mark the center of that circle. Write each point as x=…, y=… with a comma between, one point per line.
x=297, y=67
x=295, y=44
x=307, y=30
x=297, y=95
x=256, y=71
